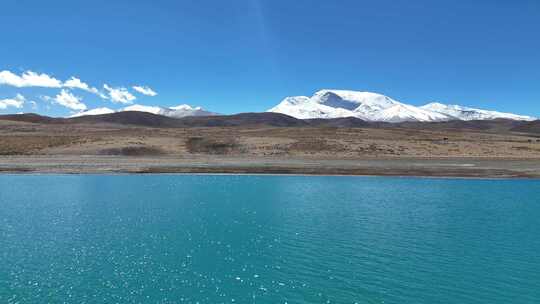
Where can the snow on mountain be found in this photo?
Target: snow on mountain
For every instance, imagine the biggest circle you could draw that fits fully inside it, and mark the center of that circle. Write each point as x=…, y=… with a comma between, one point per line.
x=404, y=112
x=304, y=108
x=364, y=105
x=142, y=108
x=466, y=113
x=175, y=112
x=97, y=111
x=187, y=110
x=376, y=107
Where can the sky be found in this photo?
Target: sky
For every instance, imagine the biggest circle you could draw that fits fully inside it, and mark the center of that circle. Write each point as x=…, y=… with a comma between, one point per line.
x=60, y=57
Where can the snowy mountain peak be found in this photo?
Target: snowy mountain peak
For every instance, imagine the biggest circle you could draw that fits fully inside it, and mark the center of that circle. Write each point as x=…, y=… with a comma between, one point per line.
x=351, y=100
x=183, y=110
x=377, y=107
x=303, y=107
x=97, y=111
x=364, y=105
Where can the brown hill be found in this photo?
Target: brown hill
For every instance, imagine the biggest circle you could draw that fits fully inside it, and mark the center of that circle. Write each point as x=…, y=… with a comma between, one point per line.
x=158, y=121
x=243, y=119
x=134, y=118
x=31, y=118
x=532, y=127
x=495, y=125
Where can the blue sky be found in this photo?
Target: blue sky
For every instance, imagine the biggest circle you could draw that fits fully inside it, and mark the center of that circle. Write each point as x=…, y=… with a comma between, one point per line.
x=247, y=55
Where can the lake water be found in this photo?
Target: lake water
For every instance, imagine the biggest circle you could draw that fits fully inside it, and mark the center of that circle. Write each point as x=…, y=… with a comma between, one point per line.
x=267, y=239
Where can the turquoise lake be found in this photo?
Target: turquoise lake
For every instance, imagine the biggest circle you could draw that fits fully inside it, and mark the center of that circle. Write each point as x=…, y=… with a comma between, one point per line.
x=267, y=239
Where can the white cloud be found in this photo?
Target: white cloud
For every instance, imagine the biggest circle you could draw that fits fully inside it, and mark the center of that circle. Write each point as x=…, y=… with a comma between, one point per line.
x=16, y=102
x=76, y=83
x=29, y=79
x=32, y=79
x=68, y=100
x=145, y=90
x=120, y=95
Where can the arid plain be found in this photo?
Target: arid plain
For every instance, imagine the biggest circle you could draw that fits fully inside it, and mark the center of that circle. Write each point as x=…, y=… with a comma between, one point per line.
x=133, y=142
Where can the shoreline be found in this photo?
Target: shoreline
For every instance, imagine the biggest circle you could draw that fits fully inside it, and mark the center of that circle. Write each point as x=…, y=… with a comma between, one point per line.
x=396, y=167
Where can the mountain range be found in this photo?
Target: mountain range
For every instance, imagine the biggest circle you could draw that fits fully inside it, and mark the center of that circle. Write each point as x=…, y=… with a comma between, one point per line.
x=376, y=107
x=331, y=104
x=270, y=119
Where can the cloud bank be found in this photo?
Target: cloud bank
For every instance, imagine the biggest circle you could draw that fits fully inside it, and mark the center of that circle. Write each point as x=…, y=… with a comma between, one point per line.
x=33, y=79
x=29, y=79
x=16, y=102
x=65, y=97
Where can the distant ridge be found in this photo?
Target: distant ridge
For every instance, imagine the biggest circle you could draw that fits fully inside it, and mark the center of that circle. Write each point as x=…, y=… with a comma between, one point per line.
x=530, y=127
x=123, y=118
x=243, y=119
x=342, y=122
x=495, y=125
x=31, y=118
x=146, y=119
x=135, y=118
x=155, y=120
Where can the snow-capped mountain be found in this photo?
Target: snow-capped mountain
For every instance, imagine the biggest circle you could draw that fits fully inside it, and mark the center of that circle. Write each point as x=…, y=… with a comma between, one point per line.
x=466, y=113
x=97, y=111
x=364, y=105
x=175, y=112
x=376, y=107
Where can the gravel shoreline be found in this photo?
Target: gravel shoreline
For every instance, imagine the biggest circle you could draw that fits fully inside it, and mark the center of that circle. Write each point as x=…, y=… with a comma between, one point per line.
x=429, y=167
